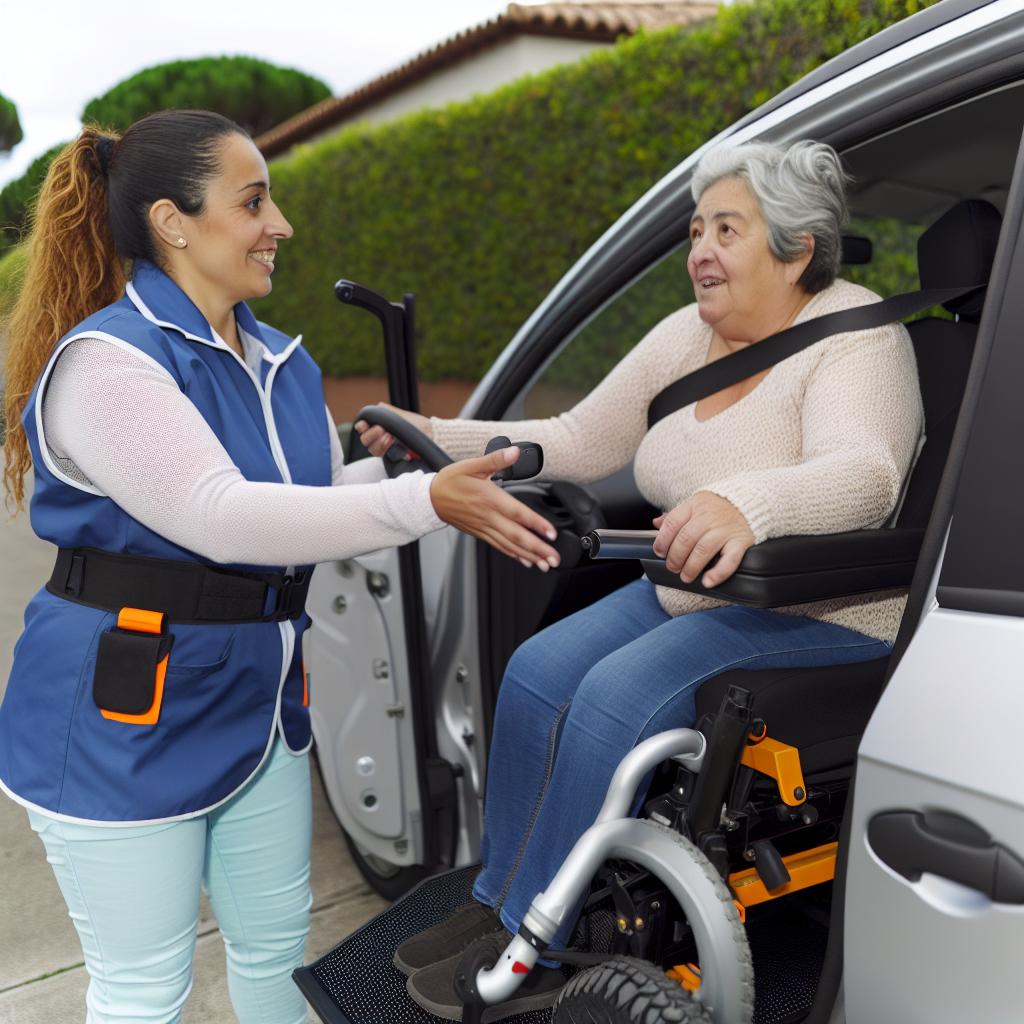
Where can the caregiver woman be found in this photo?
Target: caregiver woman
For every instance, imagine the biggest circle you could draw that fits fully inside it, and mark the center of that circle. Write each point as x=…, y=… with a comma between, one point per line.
x=155, y=724
x=821, y=443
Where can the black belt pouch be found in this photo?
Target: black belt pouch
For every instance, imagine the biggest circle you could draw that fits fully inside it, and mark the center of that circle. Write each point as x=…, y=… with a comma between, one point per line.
x=126, y=670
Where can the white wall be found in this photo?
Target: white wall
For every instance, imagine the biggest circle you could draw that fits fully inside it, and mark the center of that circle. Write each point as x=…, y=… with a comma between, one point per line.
x=481, y=73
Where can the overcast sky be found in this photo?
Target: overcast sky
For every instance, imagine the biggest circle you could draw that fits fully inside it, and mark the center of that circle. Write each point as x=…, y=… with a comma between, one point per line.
x=58, y=54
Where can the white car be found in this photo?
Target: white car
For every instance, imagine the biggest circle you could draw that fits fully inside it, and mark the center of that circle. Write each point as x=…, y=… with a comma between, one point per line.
x=924, y=921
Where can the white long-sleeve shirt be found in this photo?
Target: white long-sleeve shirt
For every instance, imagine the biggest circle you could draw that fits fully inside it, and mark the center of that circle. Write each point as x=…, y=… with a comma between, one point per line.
x=121, y=424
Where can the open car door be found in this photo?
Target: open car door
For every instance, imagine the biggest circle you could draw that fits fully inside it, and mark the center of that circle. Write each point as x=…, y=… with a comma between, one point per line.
x=366, y=655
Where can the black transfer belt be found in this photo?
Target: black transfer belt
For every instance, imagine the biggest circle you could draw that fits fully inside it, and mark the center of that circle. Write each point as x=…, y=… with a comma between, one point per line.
x=731, y=369
x=186, y=592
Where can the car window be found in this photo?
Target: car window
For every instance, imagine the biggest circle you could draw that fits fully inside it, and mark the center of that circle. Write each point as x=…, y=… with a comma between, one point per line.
x=607, y=337
x=665, y=287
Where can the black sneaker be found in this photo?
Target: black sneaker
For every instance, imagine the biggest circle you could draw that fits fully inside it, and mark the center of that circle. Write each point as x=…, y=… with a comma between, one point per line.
x=433, y=988
x=447, y=939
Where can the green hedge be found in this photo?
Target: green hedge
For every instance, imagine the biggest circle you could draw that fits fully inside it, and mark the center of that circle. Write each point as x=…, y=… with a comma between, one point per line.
x=12, y=270
x=17, y=197
x=481, y=206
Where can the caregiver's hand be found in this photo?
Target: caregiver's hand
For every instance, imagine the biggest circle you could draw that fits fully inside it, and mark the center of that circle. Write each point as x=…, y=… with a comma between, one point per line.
x=376, y=440
x=464, y=495
x=698, y=529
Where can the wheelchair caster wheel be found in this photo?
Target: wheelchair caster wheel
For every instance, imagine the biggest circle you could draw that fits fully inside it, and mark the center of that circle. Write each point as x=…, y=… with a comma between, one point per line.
x=625, y=990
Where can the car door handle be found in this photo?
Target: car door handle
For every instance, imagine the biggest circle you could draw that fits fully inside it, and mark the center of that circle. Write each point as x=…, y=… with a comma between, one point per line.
x=941, y=843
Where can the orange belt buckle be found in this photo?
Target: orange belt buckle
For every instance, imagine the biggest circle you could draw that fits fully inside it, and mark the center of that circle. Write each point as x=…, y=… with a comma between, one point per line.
x=140, y=620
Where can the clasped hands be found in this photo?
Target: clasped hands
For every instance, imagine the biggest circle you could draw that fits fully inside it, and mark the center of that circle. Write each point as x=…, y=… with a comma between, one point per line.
x=689, y=536
x=464, y=496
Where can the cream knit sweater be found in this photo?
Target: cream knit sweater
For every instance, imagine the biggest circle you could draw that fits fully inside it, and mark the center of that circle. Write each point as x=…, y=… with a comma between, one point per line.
x=823, y=444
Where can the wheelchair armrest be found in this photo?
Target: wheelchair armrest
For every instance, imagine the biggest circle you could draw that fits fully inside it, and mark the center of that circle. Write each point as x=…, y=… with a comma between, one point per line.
x=786, y=570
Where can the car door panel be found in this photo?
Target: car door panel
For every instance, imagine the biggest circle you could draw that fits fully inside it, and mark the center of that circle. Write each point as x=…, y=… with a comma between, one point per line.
x=929, y=948
x=356, y=658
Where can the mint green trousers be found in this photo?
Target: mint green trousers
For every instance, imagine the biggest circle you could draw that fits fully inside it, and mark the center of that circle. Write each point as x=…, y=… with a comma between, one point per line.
x=133, y=895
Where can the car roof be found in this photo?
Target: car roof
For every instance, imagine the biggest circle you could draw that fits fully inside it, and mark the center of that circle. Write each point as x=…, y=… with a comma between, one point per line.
x=895, y=35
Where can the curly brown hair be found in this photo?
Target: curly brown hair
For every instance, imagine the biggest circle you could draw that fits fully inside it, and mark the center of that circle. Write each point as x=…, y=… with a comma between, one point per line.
x=72, y=270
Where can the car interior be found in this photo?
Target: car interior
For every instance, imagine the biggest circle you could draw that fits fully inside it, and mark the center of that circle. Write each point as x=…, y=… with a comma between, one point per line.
x=940, y=207
x=767, y=809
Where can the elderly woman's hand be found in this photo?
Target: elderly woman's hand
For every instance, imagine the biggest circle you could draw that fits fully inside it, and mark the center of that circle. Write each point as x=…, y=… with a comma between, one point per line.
x=464, y=495
x=695, y=531
x=377, y=440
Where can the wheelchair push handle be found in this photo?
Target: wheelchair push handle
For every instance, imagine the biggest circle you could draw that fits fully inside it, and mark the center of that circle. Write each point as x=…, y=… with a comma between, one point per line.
x=353, y=294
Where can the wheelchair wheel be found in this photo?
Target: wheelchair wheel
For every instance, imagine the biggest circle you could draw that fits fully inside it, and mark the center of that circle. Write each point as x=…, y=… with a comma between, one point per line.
x=626, y=991
x=727, y=974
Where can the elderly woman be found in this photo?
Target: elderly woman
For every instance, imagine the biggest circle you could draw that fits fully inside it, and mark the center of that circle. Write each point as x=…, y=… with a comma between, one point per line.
x=820, y=443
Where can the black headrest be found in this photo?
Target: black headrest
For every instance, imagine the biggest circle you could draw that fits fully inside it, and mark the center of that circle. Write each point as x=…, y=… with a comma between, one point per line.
x=958, y=249
x=856, y=250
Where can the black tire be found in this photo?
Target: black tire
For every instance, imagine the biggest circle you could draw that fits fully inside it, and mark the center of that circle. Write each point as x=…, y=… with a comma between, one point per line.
x=389, y=880
x=625, y=990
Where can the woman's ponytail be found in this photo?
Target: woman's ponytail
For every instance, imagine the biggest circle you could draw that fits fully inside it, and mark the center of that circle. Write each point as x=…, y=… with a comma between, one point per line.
x=91, y=220
x=72, y=270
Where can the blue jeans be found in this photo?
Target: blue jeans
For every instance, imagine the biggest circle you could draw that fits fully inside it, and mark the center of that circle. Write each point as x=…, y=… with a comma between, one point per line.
x=133, y=894
x=578, y=696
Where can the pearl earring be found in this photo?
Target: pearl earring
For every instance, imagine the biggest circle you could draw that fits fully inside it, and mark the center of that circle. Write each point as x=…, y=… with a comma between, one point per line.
x=182, y=242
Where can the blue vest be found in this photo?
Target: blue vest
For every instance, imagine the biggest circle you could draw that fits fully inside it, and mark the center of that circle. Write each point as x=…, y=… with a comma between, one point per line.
x=229, y=688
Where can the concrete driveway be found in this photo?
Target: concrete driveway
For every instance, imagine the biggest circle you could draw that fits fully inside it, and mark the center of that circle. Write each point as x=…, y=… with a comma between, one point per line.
x=42, y=979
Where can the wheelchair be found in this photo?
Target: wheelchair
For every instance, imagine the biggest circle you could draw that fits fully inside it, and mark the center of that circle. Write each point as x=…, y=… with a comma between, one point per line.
x=729, y=864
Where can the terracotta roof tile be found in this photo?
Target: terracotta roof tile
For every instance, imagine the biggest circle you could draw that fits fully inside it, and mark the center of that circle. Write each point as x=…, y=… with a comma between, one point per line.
x=590, y=19
x=614, y=18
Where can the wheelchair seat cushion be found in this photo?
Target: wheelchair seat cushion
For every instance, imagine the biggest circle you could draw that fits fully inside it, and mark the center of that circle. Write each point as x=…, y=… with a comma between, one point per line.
x=821, y=711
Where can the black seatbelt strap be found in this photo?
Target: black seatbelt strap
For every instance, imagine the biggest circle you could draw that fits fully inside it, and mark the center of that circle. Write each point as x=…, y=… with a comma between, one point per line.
x=723, y=373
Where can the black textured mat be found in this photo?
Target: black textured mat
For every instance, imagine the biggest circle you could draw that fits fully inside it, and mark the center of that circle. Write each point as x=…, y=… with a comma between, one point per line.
x=356, y=982
x=788, y=950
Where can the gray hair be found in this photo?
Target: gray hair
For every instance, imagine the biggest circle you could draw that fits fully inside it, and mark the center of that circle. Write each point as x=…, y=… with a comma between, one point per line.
x=800, y=190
